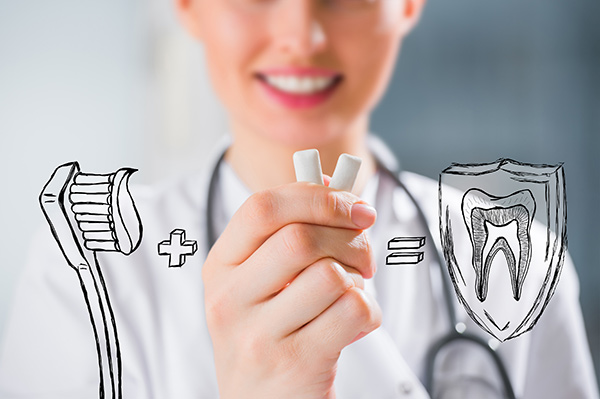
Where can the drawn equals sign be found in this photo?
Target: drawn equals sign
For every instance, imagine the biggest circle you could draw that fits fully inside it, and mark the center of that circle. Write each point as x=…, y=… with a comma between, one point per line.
x=407, y=245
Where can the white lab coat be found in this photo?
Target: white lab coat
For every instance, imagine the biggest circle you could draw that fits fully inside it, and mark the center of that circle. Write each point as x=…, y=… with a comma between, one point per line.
x=166, y=349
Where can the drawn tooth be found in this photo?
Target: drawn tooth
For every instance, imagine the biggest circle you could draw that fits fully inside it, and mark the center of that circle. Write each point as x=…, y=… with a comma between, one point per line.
x=484, y=213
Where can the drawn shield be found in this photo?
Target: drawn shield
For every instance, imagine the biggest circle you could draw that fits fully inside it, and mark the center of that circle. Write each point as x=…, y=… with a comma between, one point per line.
x=504, y=236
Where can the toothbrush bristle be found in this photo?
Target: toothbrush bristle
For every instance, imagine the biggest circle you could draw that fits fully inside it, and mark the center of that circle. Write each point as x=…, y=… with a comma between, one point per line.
x=91, y=202
x=95, y=200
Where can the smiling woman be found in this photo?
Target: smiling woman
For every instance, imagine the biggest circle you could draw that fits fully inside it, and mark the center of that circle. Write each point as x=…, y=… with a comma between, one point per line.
x=261, y=53
x=284, y=291
x=300, y=87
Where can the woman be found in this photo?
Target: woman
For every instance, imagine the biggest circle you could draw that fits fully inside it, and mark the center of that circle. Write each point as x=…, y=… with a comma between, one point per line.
x=293, y=75
x=283, y=305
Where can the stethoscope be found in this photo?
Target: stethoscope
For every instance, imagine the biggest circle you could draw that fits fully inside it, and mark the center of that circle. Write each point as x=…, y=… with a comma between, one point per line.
x=456, y=332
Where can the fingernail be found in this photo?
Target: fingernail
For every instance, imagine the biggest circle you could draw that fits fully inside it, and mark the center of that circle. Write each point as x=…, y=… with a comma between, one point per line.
x=363, y=215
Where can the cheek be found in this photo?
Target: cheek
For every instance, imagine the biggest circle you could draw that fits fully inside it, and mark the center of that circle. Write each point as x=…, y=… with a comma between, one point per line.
x=230, y=43
x=370, y=60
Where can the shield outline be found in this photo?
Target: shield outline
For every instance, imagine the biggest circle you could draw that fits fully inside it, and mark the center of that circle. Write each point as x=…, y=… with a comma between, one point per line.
x=553, y=179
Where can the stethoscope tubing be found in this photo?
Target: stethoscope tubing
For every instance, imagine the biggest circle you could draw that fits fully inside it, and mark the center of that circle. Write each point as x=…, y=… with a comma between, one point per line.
x=211, y=235
x=454, y=336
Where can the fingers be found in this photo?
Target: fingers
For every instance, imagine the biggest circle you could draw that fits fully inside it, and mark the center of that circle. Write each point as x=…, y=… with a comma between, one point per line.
x=311, y=293
x=266, y=212
x=355, y=313
x=286, y=253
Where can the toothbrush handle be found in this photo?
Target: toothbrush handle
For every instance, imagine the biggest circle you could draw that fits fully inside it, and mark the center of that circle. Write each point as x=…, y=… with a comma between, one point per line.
x=104, y=327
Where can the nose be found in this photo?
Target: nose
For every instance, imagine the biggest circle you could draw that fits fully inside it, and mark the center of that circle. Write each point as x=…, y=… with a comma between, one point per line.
x=296, y=30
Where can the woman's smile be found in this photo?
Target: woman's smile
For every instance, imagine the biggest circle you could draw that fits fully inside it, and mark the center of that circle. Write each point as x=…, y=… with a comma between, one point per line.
x=295, y=87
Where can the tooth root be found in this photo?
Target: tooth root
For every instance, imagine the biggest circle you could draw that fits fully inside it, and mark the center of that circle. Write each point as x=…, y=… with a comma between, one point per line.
x=499, y=245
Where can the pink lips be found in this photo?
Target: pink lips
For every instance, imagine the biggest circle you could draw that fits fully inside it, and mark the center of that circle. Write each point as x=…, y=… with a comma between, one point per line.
x=297, y=100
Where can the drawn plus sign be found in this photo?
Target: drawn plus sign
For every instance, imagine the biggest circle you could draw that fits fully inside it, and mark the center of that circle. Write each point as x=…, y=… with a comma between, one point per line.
x=177, y=247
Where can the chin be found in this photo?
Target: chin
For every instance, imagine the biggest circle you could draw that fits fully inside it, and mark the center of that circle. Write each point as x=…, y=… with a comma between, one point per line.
x=303, y=135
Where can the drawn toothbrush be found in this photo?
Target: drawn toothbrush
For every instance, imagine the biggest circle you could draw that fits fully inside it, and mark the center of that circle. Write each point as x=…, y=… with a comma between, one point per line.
x=90, y=213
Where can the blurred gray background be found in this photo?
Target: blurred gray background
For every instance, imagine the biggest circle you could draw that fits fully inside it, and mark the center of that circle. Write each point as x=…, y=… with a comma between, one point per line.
x=113, y=83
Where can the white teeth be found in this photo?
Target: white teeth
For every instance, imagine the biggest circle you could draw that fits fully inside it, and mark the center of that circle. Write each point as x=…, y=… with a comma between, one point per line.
x=299, y=85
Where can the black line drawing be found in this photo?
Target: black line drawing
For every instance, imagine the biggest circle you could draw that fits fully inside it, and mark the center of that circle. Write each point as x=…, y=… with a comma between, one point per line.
x=497, y=211
x=481, y=211
x=177, y=248
x=405, y=257
x=89, y=213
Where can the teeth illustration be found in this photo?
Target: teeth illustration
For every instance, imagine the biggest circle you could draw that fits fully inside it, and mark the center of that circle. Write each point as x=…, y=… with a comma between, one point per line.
x=515, y=216
x=484, y=213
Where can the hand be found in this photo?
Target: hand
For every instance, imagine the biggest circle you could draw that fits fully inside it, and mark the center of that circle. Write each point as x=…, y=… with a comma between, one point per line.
x=284, y=291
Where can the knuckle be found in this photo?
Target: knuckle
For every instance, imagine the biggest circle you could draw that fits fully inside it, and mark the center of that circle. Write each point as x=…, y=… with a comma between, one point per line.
x=361, y=310
x=335, y=204
x=261, y=207
x=218, y=309
x=258, y=347
x=332, y=203
x=297, y=239
x=335, y=278
x=358, y=280
x=293, y=353
x=361, y=242
x=367, y=250
x=254, y=345
x=363, y=254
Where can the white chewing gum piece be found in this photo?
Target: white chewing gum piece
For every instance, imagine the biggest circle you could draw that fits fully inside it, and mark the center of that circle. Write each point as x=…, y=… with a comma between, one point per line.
x=345, y=172
x=307, y=165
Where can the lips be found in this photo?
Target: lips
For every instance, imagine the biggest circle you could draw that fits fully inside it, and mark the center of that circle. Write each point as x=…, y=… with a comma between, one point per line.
x=299, y=87
x=495, y=225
